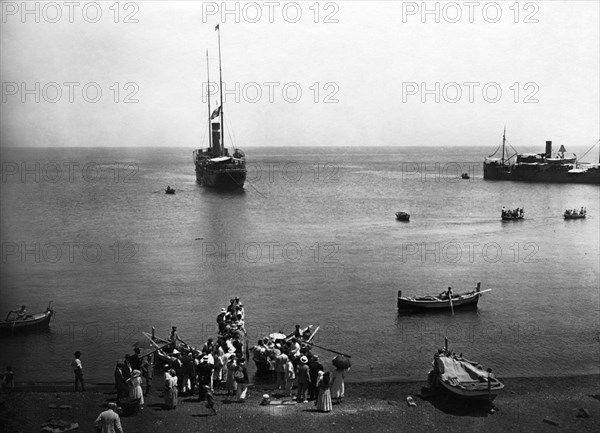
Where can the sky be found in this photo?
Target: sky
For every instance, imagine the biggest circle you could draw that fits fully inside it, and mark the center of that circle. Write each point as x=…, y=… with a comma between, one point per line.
x=343, y=73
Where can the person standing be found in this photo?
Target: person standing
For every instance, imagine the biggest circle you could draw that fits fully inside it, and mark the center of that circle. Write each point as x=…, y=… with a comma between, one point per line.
x=78, y=370
x=135, y=387
x=231, y=384
x=148, y=371
x=337, y=384
x=303, y=376
x=120, y=382
x=109, y=421
x=314, y=367
x=290, y=376
x=173, y=391
x=204, y=372
x=324, y=393
x=8, y=379
x=280, y=361
x=241, y=377
x=135, y=360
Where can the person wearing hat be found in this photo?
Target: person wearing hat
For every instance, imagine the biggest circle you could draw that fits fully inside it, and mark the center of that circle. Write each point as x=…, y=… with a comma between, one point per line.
x=230, y=383
x=173, y=393
x=314, y=367
x=280, y=361
x=135, y=387
x=174, y=338
x=109, y=421
x=221, y=320
x=120, y=381
x=303, y=378
x=148, y=371
x=78, y=370
x=242, y=379
x=204, y=372
x=135, y=360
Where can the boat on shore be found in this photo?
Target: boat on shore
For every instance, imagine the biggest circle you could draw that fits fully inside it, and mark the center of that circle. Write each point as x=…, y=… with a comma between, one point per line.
x=541, y=167
x=572, y=214
x=445, y=300
x=14, y=324
x=215, y=166
x=402, y=216
x=461, y=377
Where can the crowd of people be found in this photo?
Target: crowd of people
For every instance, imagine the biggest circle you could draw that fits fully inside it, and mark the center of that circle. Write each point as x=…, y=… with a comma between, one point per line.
x=294, y=364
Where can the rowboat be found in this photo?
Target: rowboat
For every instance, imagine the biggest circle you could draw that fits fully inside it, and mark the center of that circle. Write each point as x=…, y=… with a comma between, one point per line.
x=462, y=377
x=513, y=215
x=570, y=215
x=31, y=322
x=402, y=216
x=441, y=301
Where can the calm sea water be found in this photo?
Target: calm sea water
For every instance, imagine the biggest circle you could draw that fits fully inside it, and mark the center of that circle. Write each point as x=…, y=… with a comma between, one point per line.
x=312, y=239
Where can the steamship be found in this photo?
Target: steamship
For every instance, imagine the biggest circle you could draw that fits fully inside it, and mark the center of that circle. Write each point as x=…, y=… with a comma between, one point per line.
x=215, y=166
x=541, y=167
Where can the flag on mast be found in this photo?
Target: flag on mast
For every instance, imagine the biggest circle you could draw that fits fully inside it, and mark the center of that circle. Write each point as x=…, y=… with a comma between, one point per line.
x=215, y=113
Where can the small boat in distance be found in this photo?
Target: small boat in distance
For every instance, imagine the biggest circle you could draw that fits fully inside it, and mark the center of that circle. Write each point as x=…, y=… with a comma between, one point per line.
x=571, y=214
x=445, y=300
x=14, y=323
x=169, y=190
x=462, y=377
x=465, y=176
x=402, y=216
x=513, y=215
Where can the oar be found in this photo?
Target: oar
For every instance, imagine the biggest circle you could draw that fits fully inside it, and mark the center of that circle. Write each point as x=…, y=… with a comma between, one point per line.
x=313, y=334
x=330, y=350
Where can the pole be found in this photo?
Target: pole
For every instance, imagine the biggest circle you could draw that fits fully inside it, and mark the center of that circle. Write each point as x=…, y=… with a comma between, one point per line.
x=450, y=298
x=208, y=95
x=503, y=143
x=222, y=146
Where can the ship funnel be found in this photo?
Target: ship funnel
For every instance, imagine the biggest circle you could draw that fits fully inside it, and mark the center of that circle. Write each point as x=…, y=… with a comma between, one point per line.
x=216, y=138
x=548, y=149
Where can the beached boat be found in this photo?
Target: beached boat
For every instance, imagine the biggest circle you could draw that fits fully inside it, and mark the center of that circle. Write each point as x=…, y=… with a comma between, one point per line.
x=462, y=377
x=13, y=324
x=402, y=216
x=441, y=301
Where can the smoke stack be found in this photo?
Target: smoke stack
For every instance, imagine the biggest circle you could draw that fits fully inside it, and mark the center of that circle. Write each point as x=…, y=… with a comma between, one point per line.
x=548, y=149
x=216, y=138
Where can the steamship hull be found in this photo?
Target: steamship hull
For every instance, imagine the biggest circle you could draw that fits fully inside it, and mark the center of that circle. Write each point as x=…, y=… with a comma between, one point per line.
x=220, y=178
x=540, y=173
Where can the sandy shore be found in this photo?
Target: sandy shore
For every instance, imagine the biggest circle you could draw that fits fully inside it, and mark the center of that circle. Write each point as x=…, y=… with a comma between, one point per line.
x=526, y=404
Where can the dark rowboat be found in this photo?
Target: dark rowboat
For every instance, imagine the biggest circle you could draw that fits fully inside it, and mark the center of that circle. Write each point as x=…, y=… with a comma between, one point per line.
x=169, y=190
x=465, y=176
x=402, y=216
x=440, y=301
x=30, y=322
x=573, y=216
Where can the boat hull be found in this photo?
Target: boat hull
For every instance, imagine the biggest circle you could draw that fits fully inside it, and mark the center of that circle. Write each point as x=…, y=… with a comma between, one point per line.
x=574, y=217
x=412, y=304
x=38, y=321
x=470, y=394
x=509, y=218
x=221, y=179
x=540, y=173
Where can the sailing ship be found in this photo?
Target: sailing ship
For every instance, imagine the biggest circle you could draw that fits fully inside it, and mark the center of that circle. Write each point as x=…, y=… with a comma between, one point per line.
x=215, y=166
x=541, y=167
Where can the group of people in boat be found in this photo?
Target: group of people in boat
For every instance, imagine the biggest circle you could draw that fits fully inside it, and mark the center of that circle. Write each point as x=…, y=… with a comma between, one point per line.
x=575, y=212
x=512, y=213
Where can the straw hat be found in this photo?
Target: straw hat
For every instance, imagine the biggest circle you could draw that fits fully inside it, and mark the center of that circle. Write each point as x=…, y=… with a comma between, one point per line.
x=303, y=359
x=136, y=373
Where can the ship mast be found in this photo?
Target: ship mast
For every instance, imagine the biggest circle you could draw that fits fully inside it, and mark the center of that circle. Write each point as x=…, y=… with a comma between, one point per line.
x=208, y=94
x=222, y=146
x=503, y=143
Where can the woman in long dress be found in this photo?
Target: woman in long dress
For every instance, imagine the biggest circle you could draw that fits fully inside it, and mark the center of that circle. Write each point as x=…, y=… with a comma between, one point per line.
x=324, y=393
x=241, y=377
x=135, y=387
x=290, y=376
x=231, y=384
x=337, y=384
x=173, y=392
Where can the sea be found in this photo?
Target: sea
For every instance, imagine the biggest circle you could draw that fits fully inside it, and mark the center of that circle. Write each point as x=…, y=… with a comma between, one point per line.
x=312, y=239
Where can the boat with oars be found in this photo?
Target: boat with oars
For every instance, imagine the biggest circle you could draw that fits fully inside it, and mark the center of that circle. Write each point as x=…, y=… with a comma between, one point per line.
x=215, y=166
x=17, y=323
x=445, y=300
